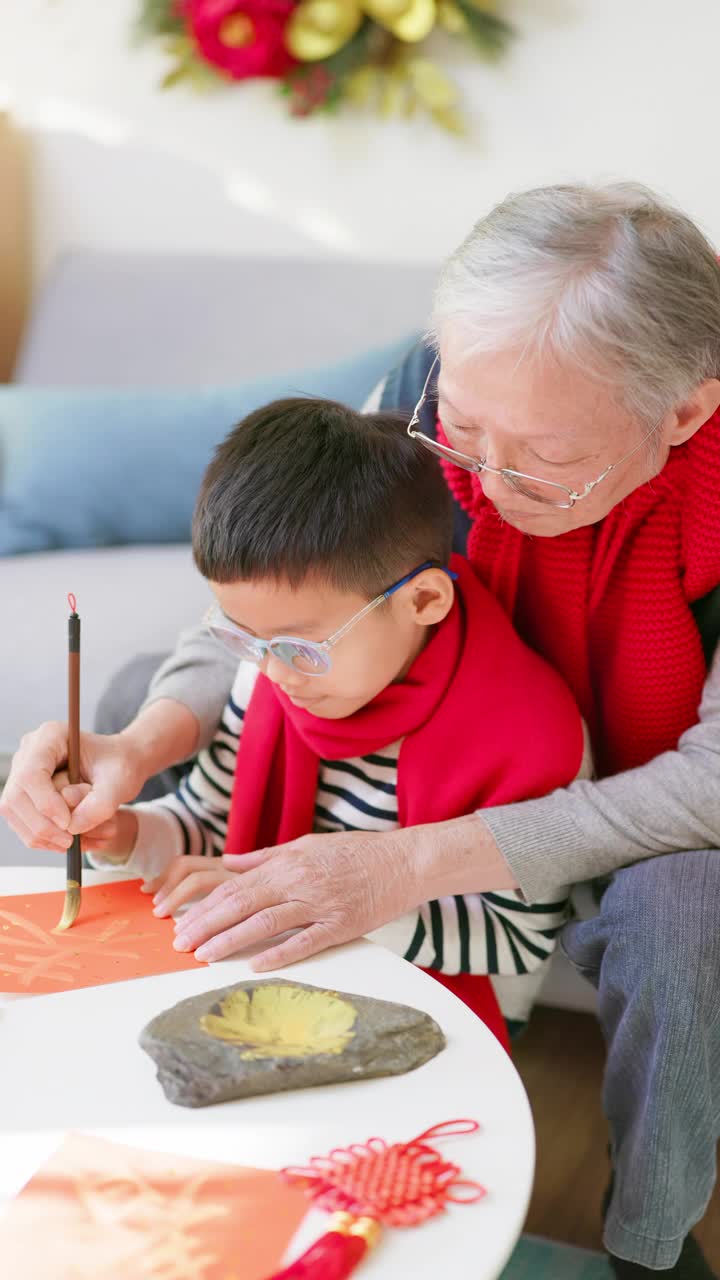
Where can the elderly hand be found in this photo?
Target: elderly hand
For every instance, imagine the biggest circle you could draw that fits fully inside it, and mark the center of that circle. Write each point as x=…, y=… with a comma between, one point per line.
x=336, y=887
x=116, y=837
x=39, y=813
x=332, y=888
x=115, y=765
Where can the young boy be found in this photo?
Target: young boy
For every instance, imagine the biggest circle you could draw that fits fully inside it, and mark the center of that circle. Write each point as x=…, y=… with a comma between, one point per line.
x=379, y=684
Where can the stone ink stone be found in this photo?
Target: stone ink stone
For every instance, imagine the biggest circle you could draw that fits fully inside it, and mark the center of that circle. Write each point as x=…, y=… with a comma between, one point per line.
x=273, y=1034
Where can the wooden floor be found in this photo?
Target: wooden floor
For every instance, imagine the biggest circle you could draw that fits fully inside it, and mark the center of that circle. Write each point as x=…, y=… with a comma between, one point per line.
x=560, y=1059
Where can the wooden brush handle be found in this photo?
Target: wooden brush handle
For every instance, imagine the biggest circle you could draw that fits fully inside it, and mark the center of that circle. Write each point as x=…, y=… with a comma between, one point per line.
x=74, y=717
x=74, y=700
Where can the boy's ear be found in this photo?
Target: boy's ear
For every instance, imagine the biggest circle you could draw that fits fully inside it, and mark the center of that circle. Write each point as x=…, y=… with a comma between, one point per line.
x=432, y=597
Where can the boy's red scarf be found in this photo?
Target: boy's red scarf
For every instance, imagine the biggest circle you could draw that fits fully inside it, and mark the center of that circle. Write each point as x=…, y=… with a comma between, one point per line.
x=483, y=721
x=609, y=605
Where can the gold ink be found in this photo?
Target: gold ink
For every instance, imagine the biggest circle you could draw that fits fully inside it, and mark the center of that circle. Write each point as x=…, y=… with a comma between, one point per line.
x=161, y=1222
x=283, y=1021
x=58, y=957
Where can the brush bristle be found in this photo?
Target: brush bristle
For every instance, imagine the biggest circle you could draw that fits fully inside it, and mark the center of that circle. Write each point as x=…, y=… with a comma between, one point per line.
x=71, y=907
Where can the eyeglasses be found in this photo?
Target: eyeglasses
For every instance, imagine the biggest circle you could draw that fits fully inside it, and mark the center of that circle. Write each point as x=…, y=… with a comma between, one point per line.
x=311, y=657
x=548, y=492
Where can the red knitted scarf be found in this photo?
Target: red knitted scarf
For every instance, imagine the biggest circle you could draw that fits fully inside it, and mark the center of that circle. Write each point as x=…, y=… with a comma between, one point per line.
x=609, y=605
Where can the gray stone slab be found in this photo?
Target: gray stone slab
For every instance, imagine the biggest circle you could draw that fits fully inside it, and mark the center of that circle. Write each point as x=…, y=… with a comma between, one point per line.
x=272, y=1034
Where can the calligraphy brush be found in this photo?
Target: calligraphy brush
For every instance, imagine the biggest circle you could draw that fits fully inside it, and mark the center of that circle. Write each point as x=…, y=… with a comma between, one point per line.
x=73, y=880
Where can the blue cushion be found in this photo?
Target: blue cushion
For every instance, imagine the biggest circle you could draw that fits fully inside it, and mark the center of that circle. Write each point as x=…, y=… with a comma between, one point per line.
x=100, y=468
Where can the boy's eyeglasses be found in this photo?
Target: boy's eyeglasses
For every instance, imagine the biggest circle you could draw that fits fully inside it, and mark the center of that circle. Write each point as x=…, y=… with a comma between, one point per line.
x=548, y=492
x=311, y=657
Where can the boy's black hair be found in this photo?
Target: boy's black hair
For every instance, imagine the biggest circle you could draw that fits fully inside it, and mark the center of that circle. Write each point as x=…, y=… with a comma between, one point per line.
x=307, y=485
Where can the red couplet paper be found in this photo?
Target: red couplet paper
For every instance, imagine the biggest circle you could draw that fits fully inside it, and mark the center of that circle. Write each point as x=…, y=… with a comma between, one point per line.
x=100, y=1209
x=115, y=937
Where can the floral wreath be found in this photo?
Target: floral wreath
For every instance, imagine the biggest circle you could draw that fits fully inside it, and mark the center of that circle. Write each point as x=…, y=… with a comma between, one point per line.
x=325, y=53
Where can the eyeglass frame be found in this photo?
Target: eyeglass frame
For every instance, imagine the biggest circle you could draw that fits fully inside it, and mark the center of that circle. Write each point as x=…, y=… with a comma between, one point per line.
x=479, y=465
x=264, y=647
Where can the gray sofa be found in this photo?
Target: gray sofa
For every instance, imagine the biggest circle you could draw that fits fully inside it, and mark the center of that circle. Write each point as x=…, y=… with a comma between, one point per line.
x=130, y=320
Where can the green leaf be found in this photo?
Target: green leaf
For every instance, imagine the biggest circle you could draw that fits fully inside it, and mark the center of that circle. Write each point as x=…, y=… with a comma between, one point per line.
x=451, y=18
x=393, y=92
x=361, y=84
x=158, y=18
x=350, y=56
x=410, y=105
x=450, y=119
x=175, y=75
x=189, y=66
x=489, y=34
x=205, y=78
x=433, y=88
x=339, y=66
x=180, y=46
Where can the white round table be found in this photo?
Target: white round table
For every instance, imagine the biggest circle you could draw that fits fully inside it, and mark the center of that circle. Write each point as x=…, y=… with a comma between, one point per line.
x=71, y=1061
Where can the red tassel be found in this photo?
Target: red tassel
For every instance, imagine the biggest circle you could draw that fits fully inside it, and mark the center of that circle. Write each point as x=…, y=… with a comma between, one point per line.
x=333, y=1257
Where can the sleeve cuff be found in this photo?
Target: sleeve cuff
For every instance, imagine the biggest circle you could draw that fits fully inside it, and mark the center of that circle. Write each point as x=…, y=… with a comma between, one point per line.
x=541, y=844
x=159, y=842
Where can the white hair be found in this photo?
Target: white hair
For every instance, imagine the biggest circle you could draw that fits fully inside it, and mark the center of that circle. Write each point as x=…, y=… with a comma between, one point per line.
x=609, y=278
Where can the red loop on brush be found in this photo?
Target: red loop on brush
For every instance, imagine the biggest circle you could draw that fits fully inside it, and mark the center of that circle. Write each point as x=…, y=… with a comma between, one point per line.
x=72, y=602
x=398, y=1185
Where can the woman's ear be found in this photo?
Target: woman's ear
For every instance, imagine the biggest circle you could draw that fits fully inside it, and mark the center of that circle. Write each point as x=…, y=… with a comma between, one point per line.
x=694, y=412
x=433, y=592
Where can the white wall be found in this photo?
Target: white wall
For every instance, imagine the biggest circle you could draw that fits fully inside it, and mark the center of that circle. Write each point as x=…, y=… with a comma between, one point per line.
x=592, y=89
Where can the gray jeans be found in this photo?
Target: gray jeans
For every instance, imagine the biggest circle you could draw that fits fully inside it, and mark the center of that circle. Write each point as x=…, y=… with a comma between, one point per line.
x=653, y=953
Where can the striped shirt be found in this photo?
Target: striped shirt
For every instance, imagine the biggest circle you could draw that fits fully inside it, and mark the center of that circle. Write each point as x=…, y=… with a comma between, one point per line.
x=484, y=933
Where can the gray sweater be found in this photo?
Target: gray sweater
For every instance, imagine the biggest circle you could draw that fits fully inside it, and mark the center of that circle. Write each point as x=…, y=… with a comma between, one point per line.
x=588, y=829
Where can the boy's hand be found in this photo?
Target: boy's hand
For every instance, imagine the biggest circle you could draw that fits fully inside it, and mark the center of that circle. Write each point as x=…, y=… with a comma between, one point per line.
x=114, y=838
x=184, y=879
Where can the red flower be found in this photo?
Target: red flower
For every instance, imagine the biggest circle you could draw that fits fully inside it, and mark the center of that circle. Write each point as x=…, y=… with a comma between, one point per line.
x=242, y=38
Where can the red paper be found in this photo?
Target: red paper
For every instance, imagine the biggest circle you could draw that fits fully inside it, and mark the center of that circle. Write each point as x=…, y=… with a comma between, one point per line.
x=115, y=937
x=98, y=1210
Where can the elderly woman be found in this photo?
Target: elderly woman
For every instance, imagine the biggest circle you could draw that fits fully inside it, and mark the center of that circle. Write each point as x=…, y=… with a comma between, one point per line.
x=572, y=393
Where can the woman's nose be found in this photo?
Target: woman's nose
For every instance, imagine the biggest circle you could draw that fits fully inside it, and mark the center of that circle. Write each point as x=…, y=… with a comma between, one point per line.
x=493, y=486
x=496, y=453
x=495, y=460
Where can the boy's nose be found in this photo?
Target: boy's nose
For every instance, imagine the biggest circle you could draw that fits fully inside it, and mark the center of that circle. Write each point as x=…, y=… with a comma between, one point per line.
x=280, y=673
